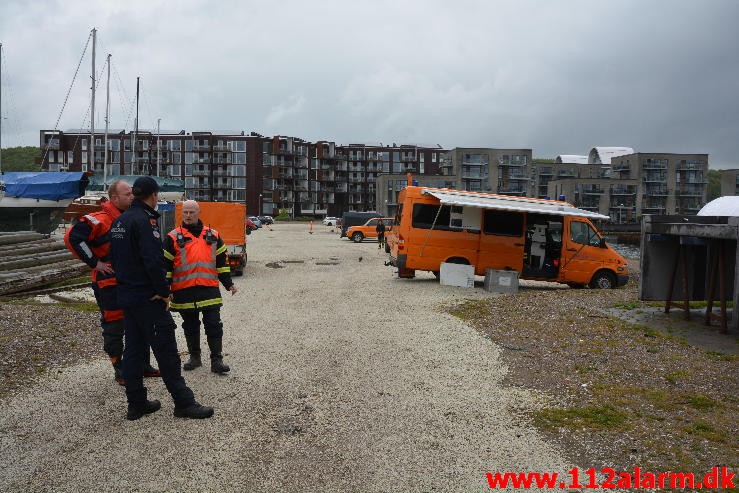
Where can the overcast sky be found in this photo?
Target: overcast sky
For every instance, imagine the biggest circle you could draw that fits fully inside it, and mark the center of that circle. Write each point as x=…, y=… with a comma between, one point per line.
x=556, y=76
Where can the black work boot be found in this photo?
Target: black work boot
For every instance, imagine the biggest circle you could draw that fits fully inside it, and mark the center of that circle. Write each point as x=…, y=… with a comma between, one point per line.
x=117, y=369
x=216, y=357
x=193, y=347
x=135, y=412
x=150, y=371
x=195, y=411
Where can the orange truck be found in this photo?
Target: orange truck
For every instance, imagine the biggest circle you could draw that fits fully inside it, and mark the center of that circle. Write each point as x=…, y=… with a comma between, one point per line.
x=229, y=220
x=545, y=240
x=368, y=229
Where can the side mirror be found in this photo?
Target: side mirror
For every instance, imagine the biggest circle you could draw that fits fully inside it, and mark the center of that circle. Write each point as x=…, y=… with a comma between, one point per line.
x=602, y=243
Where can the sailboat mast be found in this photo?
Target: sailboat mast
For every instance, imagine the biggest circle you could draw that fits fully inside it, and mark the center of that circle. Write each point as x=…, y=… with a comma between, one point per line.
x=159, y=120
x=92, y=103
x=135, y=129
x=107, y=124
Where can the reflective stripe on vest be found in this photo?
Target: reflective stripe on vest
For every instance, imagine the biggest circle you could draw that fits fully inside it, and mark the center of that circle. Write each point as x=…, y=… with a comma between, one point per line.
x=195, y=263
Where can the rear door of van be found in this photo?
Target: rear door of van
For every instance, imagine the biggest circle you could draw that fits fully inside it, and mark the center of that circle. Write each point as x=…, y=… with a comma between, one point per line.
x=502, y=240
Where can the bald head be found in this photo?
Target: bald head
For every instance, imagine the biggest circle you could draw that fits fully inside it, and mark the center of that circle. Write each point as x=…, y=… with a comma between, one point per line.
x=190, y=212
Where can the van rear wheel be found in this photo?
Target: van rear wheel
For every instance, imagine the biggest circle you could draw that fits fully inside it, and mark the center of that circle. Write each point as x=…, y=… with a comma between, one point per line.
x=357, y=237
x=603, y=280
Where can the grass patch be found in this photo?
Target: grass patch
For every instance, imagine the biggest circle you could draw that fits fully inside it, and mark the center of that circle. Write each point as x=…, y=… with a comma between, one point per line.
x=593, y=417
x=628, y=305
x=721, y=356
x=699, y=401
x=675, y=376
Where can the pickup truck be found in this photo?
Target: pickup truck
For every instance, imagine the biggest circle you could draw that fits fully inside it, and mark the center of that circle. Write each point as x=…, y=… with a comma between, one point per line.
x=367, y=230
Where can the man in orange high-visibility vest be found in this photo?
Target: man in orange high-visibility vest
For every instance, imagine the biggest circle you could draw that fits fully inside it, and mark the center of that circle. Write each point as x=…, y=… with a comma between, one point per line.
x=197, y=262
x=89, y=240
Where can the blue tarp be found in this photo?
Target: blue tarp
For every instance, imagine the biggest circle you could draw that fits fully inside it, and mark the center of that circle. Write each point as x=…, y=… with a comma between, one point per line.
x=44, y=185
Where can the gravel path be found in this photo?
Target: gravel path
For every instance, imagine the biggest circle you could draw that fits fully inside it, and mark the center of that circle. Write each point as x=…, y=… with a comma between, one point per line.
x=343, y=378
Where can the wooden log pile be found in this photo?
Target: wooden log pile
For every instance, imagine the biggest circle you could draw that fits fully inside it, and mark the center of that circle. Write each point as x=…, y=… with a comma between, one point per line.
x=28, y=261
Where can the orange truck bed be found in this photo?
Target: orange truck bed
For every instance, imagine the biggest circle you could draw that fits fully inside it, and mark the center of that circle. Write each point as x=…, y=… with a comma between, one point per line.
x=226, y=218
x=230, y=221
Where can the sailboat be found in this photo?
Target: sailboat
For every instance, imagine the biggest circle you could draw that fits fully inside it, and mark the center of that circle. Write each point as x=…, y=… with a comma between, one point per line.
x=35, y=201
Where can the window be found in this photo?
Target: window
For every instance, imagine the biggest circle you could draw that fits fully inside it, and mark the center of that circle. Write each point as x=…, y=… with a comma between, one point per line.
x=189, y=157
x=84, y=144
x=425, y=214
x=174, y=145
x=70, y=157
x=237, y=146
x=239, y=158
x=175, y=171
x=189, y=145
x=237, y=170
x=503, y=223
x=84, y=157
x=583, y=234
x=176, y=158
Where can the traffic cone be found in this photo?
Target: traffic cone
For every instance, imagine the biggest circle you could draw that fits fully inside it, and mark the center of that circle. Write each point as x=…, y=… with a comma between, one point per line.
x=310, y=231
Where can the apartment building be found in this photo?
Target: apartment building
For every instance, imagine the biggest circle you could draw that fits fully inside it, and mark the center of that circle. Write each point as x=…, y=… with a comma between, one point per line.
x=625, y=184
x=389, y=186
x=269, y=174
x=483, y=169
x=729, y=182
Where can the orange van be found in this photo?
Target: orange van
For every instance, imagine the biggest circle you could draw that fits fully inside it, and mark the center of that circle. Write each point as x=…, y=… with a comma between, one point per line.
x=367, y=230
x=545, y=240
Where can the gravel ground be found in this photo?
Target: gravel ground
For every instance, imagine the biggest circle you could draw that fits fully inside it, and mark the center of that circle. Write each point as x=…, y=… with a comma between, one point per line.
x=343, y=378
x=628, y=385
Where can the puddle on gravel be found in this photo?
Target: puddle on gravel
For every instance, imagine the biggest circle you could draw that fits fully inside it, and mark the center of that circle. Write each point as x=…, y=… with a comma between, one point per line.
x=293, y=261
x=274, y=265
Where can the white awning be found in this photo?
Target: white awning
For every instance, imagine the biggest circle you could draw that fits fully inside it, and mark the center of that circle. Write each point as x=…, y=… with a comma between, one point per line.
x=511, y=203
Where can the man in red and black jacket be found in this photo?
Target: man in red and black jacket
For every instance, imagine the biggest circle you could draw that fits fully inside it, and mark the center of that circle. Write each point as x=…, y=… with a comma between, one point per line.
x=197, y=263
x=89, y=240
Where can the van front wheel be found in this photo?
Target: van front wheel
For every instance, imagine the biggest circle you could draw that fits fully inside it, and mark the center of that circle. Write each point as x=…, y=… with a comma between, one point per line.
x=603, y=279
x=357, y=237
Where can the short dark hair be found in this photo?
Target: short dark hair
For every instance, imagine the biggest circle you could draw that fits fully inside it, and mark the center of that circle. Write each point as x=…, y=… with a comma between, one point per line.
x=144, y=187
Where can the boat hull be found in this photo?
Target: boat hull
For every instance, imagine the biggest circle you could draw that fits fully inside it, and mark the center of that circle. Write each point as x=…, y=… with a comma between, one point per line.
x=24, y=214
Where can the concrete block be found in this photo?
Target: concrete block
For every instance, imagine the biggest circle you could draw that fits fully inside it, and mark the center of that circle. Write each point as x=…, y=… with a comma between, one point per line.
x=501, y=281
x=457, y=275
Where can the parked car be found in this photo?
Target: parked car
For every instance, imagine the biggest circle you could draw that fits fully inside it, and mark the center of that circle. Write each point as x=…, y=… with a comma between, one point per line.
x=256, y=221
x=368, y=229
x=266, y=219
x=330, y=221
x=250, y=226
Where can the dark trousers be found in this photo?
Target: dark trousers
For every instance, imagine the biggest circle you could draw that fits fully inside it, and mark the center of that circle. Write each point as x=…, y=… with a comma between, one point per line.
x=111, y=320
x=150, y=324
x=211, y=321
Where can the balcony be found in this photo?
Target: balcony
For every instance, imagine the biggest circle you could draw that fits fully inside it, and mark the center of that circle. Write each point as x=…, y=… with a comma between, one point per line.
x=656, y=192
x=623, y=191
x=592, y=191
x=654, y=166
x=201, y=172
x=201, y=147
x=688, y=193
x=654, y=179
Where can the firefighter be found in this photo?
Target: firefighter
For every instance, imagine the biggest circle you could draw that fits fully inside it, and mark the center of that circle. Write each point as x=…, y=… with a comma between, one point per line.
x=143, y=293
x=89, y=240
x=196, y=262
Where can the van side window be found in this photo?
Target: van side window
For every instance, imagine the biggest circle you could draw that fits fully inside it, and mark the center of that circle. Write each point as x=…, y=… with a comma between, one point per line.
x=583, y=234
x=503, y=223
x=399, y=214
x=424, y=215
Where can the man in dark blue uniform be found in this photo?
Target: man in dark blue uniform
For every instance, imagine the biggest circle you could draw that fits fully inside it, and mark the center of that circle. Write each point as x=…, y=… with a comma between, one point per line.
x=137, y=257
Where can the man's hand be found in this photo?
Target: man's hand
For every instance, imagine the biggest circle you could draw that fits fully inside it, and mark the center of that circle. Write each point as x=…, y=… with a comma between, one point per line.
x=166, y=300
x=104, y=267
x=233, y=289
